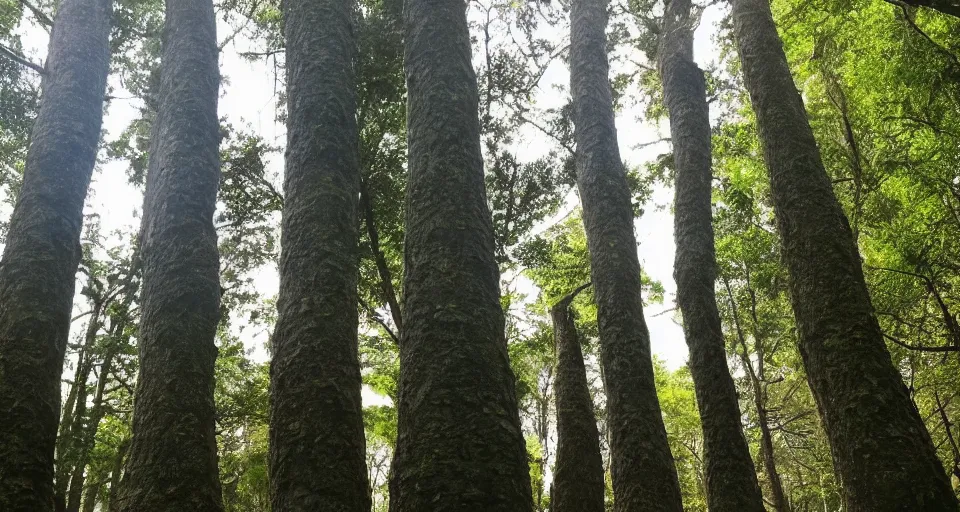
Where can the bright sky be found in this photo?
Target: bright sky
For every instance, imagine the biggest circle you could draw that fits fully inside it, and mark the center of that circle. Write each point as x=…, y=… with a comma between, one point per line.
x=248, y=102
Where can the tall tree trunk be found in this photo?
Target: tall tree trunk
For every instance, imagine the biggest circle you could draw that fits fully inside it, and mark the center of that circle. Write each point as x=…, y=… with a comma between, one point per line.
x=317, y=445
x=459, y=444
x=173, y=454
x=731, y=479
x=39, y=265
x=578, y=479
x=643, y=471
x=881, y=449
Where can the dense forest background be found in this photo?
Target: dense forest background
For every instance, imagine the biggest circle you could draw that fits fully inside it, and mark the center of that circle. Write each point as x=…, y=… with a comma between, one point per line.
x=881, y=84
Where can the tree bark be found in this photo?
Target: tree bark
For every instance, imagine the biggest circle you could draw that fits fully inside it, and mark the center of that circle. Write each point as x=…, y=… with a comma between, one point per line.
x=459, y=443
x=317, y=445
x=578, y=479
x=172, y=464
x=642, y=467
x=881, y=448
x=731, y=479
x=42, y=252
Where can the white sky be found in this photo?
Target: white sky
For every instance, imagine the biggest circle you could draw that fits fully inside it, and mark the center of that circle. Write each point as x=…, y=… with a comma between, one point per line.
x=248, y=102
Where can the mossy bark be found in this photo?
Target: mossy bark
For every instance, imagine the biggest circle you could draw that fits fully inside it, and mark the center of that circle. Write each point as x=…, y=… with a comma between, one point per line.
x=42, y=252
x=642, y=467
x=459, y=443
x=172, y=465
x=578, y=479
x=881, y=448
x=731, y=478
x=317, y=445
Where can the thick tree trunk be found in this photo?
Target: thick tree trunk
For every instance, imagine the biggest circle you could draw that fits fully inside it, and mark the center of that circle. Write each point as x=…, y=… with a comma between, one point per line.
x=578, y=479
x=39, y=265
x=881, y=449
x=172, y=464
x=731, y=479
x=459, y=446
x=643, y=471
x=317, y=446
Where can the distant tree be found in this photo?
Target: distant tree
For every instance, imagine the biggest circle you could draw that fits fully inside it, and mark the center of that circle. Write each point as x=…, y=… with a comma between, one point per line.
x=578, y=481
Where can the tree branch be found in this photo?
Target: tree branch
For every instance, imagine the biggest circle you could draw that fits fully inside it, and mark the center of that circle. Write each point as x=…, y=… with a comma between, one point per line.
x=920, y=348
x=41, y=16
x=19, y=59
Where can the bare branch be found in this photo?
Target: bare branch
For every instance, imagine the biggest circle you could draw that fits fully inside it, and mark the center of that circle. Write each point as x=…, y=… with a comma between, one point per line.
x=19, y=59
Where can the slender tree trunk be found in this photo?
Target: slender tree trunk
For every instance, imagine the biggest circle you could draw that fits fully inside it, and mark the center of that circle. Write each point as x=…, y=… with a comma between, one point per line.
x=70, y=439
x=172, y=464
x=383, y=270
x=459, y=444
x=116, y=473
x=881, y=448
x=731, y=479
x=93, y=493
x=87, y=441
x=578, y=479
x=643, y=471
x=39, y=265
x=756, y=377
x=317, y=446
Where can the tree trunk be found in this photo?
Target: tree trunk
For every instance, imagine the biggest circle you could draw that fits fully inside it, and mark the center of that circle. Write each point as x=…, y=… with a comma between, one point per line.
x=578, y=479
x=93, y=493
x=459, y=444
x=88, y=438
x=881, y=449
x=317, y=445
x=116, y=472
x=42, y=251
x=756, y=377
x=172, y=464
x=643, y=471
x=731, y=479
